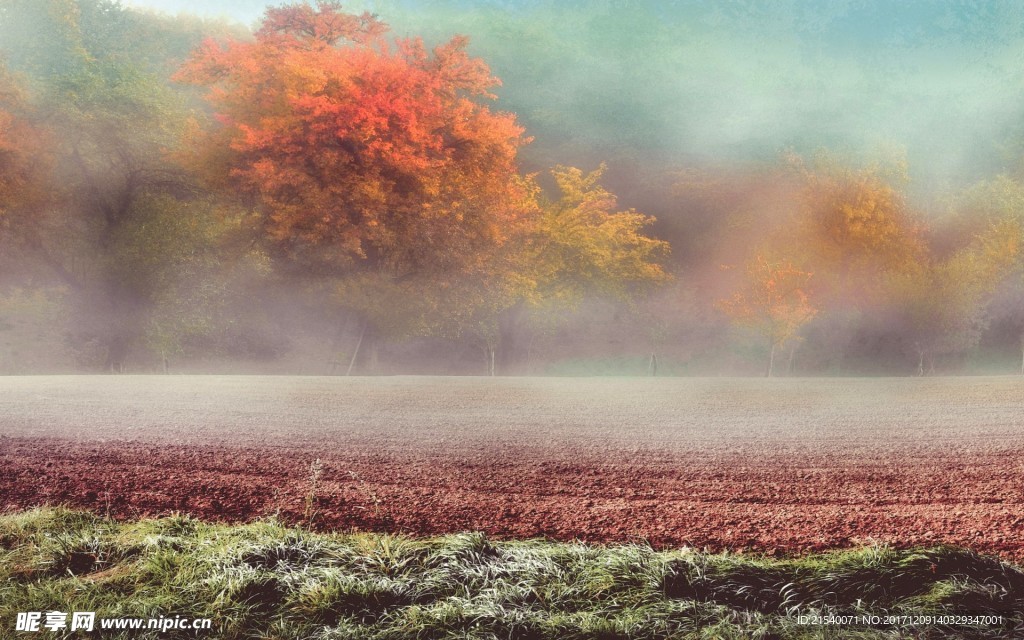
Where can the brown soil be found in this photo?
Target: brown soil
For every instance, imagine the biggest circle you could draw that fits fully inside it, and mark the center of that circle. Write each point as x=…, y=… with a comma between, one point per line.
x=769, y=494
x=773, y=503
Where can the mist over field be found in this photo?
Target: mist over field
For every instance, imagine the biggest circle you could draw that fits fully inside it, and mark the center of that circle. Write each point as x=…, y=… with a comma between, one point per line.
x=565, y=283
x=678, y=188
x=747, y=465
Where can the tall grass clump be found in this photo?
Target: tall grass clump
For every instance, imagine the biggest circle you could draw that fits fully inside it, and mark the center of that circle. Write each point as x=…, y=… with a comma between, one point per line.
x=266, y=580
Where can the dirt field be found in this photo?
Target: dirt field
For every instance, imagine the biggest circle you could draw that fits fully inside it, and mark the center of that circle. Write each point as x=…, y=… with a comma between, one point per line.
x=780, y=466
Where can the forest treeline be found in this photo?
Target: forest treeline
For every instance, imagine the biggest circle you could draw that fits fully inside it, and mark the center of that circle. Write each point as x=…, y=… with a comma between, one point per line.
x=318, y=195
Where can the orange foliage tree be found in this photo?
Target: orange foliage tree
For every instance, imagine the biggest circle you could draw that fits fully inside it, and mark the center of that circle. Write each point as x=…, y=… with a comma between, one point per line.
x=773, y=301
x=376, y=166
x=854, y=229
x=380, y=167
x=361, y=155
x=25, y=163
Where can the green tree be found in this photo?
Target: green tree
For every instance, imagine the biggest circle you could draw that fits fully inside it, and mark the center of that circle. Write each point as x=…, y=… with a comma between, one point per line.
x=110, y=127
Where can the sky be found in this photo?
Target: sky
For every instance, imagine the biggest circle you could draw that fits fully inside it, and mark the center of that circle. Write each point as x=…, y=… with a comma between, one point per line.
x=244, y=11
x=939, y=82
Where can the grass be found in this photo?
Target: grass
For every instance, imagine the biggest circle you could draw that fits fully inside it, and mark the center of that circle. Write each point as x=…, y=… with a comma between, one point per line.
x=266, y=580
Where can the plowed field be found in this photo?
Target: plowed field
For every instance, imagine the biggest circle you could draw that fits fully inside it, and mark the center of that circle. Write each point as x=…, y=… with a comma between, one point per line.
x=781, y=466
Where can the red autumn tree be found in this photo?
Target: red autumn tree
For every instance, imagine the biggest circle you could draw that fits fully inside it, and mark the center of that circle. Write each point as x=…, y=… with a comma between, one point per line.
x=381, y=167
x=361, y=155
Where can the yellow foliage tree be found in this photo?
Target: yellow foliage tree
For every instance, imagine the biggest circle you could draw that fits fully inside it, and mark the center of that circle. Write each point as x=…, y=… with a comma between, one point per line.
x=942, y=304
x=582, y=244
x=571, y=246
x=853, y=228
x=987, y=220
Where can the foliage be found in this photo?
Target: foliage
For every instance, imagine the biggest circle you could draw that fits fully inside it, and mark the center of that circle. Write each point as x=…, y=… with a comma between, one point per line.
x=360, y=153
x=25, y=159
x=584, y=246
x=941, y=305
x=114, y=125
x=381, y=166
x=376, y=177
x=983, y=232
x=851, y=226
x=855, y=226
x=119, y=217
x=52, y=38
x=774, y=302
x=188, y=259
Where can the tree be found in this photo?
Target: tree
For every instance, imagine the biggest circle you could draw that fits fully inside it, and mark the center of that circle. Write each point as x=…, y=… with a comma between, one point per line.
x=43, y=37
x=581, y=246
x=584, y=246
x=116, y=125
x=381, y=166
x=853, y=228
x=855, y=224
x=941, y=305
x=46, y=38
x=566, y=248
x=571, y=247
x=987, y=220
x=377, y=165
x=25, y=160
x=109, y=127
x=361, y=156
x=774, y=302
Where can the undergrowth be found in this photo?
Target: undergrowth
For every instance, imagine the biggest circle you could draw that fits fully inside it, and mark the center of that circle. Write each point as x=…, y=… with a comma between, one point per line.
x=266, y=580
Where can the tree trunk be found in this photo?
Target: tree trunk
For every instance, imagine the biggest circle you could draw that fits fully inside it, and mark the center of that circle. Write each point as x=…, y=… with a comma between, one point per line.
x=920, y=362
x=771, y=361
x=355, y=353
x=117, y=353
x=510, y=323
x=528, y=365
x=1022, y=354
x=789, y=364
x=490, y=360
x=372, y=353
x=652, y=366
x=336, y=342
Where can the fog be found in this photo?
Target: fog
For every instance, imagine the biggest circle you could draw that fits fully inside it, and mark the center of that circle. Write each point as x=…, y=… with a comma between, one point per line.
x=731, y=81
x=738, y=126
x=738, y=80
